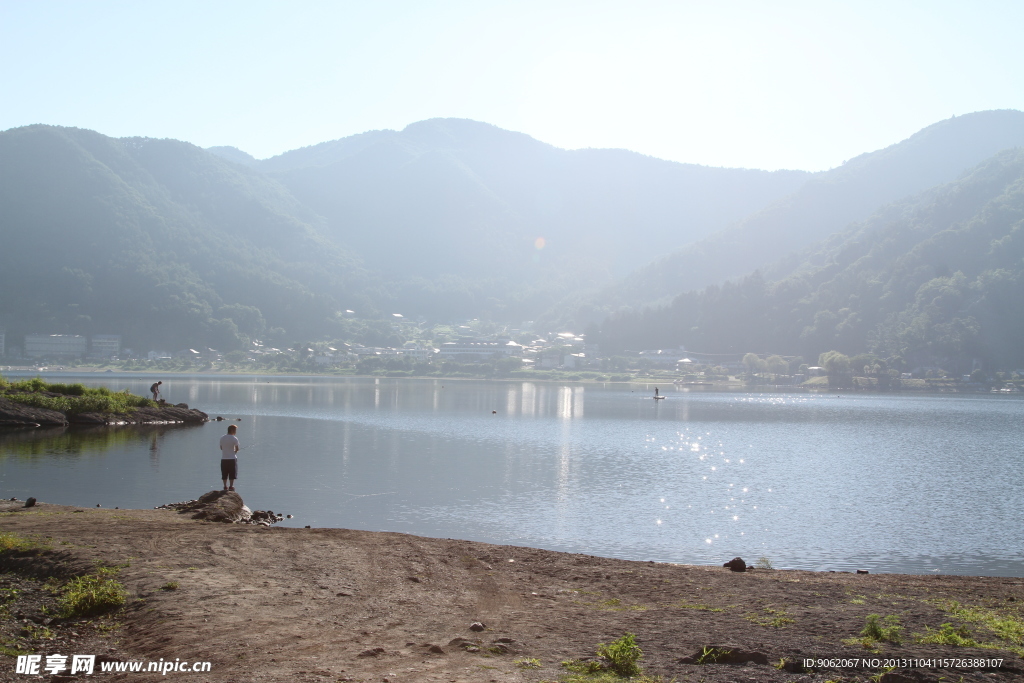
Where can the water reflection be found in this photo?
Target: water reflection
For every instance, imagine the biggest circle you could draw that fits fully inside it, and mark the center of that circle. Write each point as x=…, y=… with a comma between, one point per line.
x=83, y=441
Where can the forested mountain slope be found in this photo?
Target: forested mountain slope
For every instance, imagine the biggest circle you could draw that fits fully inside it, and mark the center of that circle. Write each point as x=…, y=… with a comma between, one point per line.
x=453, y=196
x=828, y=202
x=157, y=240
x=450, y=211
x=935, y=279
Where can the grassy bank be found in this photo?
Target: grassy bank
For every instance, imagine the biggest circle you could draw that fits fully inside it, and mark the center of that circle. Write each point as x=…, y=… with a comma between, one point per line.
x=71, y=399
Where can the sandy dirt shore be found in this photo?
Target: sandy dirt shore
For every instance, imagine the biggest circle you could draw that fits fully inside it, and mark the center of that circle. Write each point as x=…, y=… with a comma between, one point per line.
x=281, y=604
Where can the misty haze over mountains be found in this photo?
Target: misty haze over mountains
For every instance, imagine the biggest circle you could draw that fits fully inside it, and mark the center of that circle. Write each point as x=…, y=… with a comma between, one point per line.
x=161, y=241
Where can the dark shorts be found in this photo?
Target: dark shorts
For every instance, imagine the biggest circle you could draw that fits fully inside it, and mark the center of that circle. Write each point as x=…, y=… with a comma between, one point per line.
x=229, y=468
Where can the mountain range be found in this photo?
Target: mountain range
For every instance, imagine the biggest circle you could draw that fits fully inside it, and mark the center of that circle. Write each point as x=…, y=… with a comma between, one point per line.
x=170, y=244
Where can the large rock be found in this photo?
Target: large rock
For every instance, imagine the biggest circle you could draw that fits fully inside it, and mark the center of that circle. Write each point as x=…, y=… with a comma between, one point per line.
x=19, y=415
x=165, y=414
x=736, y=564
x=219, y=506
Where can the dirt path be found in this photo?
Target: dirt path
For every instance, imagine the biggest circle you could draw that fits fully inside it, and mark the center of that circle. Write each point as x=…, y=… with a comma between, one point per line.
x=276, y=604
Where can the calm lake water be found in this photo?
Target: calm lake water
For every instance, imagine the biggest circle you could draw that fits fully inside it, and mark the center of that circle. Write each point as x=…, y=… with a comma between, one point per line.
x=913, y=484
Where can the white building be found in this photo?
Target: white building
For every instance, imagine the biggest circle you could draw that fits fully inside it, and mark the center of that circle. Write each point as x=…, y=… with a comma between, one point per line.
x=105, y=346
x=416, y=352
x=468, y=351
x=55, y=345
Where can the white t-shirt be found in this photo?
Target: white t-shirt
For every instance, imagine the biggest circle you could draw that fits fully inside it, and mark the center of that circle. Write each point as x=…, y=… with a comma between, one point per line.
x=228, y=443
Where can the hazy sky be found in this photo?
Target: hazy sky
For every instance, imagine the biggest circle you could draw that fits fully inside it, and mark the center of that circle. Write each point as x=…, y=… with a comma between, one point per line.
x=766, y=84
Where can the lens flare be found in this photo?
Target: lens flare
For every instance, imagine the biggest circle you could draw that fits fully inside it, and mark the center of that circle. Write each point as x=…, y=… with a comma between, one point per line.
x=539, y=243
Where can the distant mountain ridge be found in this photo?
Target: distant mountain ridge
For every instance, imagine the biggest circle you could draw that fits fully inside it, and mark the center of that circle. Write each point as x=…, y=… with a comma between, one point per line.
x=936, y=279
x=827, y=203
x=461, y=187
x=462, y=218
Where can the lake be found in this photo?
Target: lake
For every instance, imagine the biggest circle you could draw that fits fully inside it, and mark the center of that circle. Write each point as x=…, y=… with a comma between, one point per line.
x=906, y=483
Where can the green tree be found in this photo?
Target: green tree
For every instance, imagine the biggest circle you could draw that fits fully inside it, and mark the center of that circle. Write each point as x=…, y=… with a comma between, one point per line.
x=777, y=365
x=837, y=367
x=753, y=363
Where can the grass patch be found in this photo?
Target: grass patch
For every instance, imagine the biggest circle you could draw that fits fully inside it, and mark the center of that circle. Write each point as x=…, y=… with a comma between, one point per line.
x=764, y=562
x=9, y=541
x=72, y=398
x=8, y=651
x=528, y=663
x=1003, y=624
x=89, y=595
x=882, y=630
x=620, y=660
x=623, y=655
x=120, y=402
x=615, y=605
x=36, y=632
x=947, y=634
x=776, y=618
x=169, y=586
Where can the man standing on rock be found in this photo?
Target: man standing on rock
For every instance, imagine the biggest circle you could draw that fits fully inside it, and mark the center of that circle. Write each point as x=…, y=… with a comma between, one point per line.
x=229, y=457
x=156, y=389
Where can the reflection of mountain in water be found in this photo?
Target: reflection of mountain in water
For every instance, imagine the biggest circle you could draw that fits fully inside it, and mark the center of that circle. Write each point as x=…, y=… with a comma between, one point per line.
x=76, y=441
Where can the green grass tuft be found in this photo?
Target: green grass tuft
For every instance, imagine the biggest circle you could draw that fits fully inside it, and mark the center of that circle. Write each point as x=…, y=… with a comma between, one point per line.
x=710, y=655
x=9, y=541
x=93, y=594
x=886, y=630
x=947, y=634
x=623, y=655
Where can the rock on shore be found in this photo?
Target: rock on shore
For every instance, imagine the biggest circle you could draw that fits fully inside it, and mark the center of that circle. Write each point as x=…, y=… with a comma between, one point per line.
x=19, y=415
x=223, y=506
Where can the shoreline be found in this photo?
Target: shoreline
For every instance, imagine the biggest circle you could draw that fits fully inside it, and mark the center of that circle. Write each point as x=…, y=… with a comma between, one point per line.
x=919, y=387
x=278, y=603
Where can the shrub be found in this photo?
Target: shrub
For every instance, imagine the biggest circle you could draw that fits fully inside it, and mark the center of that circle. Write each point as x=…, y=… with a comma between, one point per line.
x=67, y=389
x=34, y=384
